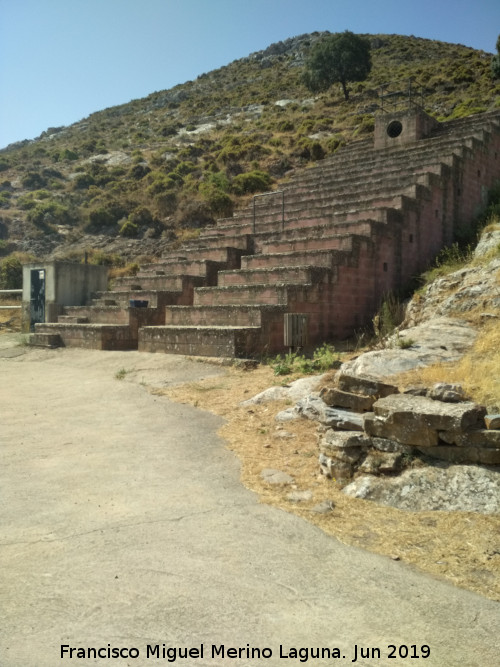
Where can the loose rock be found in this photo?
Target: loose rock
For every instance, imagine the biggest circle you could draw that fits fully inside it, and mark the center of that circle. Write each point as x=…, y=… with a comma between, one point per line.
x=451, y=488
x=272, y=476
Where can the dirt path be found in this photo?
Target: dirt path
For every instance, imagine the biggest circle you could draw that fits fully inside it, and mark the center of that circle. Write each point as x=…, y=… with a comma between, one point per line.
x=124, y=522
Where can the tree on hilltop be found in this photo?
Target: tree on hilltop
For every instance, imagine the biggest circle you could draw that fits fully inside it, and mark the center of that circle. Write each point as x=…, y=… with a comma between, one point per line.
x=338, y=58
x=495, y=62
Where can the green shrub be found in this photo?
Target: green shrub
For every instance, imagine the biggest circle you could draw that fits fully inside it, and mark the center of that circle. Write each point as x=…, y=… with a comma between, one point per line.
x=286, y=126
x=169, y=130
x=105, y=215
x=141, y=216
x=449, y=259
x=33, y=181
x=317, y=151
x=48, y=212
x=252, y=181
x=98, y=218
x=11, y=272
x=214, y=190
x=404, y=343
x=324, y=358
x=165, y=202
x=102, y=258
x=367, y=126
x=83, y=181
x=283, y=364
x=334, y=143
x=5, y=198
x=138, y=171
x=65, y=154
x=26, y=202
x=389, y=315
x=182, y=169
x=129, y=229
x=161, y=183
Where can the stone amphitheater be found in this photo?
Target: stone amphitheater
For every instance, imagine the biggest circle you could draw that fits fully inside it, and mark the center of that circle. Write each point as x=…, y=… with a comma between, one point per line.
x=306, y=264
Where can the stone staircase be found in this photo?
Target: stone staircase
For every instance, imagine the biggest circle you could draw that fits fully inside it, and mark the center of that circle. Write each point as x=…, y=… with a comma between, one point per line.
x=330, y=245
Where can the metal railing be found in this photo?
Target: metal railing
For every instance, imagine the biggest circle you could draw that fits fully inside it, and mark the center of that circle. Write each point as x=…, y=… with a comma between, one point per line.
x=268, y=194
x=10, y=291
x=399, y=99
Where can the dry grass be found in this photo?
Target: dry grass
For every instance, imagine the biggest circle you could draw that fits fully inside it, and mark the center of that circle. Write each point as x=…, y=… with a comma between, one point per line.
x=10, y=320
x=462, y=547
x=475, y=371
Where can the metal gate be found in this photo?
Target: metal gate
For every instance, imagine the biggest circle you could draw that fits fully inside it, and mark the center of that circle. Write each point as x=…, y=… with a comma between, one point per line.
x=295, y=329
x=37, y=297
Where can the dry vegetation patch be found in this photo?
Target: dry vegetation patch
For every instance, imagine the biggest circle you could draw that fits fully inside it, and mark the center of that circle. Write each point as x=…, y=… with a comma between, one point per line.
x=475, y=371
x=461, y=547
x=10, y=320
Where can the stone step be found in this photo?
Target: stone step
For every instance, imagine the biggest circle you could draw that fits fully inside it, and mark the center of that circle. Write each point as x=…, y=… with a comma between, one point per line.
x=73, y=319
x=204, y=268
x=95, y=315
x=348, y=208
x=156, y=299
x=328, y=191
x=275, y=275
x=331, y=228
x=440, y=144
x=384, y=162
x=374, y=167
x=325, y=258
x=158, y=283
x=256, y=294
x=50, y=340
x=306, y=221
x=227, y=255
x=243, y=242
x=209, y=341
x=91, y=336
x=235, y=315
x=304, y=243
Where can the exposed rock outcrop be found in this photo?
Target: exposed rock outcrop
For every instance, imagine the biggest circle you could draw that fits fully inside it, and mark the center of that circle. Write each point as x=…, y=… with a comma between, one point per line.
x=462, y=291
x=440, y=487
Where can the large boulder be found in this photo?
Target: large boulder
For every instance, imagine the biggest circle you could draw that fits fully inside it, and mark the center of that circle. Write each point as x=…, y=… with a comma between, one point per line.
x=441, y=339
x=336, y=398
x=417, y=420
x=363, y=384
x=293, y=391
x=314, y=408
x=440, y=487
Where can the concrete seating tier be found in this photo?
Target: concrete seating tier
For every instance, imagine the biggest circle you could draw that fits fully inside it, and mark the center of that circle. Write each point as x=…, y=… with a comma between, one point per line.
x=230, y=257
x=324, y=258
x=274, y=275
x=345, y=232
x=340, y=219
x=89, y=336
x=321, y=212
x=204, y=268
x=236, y=315
x=163, y=283
x=238, y=241
x=223, y=341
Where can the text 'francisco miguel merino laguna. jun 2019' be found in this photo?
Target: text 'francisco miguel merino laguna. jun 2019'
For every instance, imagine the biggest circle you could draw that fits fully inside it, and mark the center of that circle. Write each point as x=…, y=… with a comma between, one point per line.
x=217, y=651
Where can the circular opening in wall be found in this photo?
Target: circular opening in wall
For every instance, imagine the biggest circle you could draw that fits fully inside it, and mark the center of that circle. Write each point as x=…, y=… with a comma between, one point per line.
x=394, y=129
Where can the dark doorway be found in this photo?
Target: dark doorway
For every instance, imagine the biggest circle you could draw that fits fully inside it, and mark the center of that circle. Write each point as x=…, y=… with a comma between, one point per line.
x=37, y=297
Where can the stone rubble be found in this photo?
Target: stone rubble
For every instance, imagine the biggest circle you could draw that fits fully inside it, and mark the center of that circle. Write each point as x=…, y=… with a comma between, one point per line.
x=370, y=436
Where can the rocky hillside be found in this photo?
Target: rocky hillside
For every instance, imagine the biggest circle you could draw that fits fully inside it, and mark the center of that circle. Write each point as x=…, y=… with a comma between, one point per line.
x=138, y=178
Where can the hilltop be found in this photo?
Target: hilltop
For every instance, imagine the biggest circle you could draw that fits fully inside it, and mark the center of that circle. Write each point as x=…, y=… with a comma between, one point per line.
x=139, y=178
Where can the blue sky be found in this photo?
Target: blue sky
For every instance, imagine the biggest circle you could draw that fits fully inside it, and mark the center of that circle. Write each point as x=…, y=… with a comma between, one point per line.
x=61, y=60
